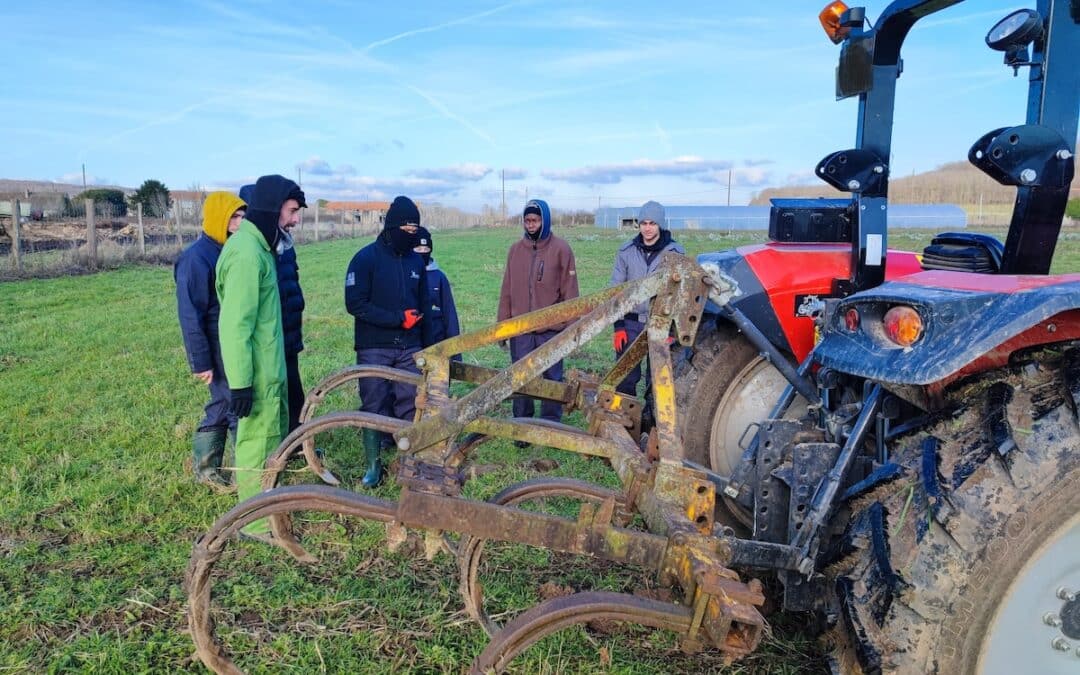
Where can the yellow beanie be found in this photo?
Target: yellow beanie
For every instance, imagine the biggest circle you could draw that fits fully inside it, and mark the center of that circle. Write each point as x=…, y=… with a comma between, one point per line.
x=217, y=211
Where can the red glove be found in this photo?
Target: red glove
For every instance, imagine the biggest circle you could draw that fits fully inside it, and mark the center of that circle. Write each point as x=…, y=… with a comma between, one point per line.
x=412, y=317
x=620, y=339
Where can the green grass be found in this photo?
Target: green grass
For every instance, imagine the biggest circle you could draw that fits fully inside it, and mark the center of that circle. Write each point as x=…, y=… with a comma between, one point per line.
x=98, y=515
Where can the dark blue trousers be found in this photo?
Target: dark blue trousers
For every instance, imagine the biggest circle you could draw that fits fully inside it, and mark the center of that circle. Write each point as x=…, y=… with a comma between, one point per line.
x=525, y=406
x=386, y=397
x=216, y=411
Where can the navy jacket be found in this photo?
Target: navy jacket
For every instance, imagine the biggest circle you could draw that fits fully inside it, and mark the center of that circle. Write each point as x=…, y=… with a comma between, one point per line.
x=197, y=303
x=292, y=298
x=440, y=308
x=379, y=286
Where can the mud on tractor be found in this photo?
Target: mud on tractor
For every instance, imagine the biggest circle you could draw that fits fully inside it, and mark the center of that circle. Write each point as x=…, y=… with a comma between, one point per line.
x=916, y=483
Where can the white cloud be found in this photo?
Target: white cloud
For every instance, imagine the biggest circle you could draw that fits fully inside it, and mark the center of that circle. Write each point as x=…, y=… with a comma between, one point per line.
x=614, y=173
x=315, y=167
x=458, y=173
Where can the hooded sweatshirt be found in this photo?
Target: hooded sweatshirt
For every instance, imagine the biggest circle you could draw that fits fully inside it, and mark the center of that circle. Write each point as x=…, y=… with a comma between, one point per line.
x=539, y=272
x=196, y=299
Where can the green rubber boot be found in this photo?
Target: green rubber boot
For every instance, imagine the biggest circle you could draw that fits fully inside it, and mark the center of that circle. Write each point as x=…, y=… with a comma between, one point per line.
x=228, y=460
x=208, y=448
x=371, y=451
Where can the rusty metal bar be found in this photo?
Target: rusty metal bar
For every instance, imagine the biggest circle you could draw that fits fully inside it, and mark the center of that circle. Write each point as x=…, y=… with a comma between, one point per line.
x=573, y=441
x=490, y=521
x=630, y=358
x=663, y=390
x=526, y=323
x=606, y=306
x=563, y=392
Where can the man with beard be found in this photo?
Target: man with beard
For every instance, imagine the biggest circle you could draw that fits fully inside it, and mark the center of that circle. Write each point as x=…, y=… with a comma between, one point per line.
x=252, y=345
x=292, y=313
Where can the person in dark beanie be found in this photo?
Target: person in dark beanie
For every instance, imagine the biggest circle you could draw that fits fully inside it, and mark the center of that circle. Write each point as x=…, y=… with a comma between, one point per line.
x=540, y=271
x=252, y=344
x=386, y=292
x=636, y=259
x=198, y=310
x=292, y=313
x=440, y=309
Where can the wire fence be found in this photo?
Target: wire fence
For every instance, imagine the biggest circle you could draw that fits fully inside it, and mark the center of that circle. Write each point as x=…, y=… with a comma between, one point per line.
x=75, y=237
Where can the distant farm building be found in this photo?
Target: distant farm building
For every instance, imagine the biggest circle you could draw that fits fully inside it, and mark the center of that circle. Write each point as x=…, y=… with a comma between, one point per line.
x=936, y=216
x=368, y=216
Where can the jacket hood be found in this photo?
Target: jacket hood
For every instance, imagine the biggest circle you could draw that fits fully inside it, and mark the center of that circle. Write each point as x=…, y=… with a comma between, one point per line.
x=545, y=214
x=264, y=205
x=217, y=210
x=247, y=192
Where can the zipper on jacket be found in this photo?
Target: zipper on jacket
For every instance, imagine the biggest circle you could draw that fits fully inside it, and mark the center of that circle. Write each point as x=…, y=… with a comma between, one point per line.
x=532, y=268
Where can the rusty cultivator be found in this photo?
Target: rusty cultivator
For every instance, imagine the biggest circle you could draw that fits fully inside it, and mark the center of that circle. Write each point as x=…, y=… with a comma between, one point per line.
x=687, y=549
x=924, y=509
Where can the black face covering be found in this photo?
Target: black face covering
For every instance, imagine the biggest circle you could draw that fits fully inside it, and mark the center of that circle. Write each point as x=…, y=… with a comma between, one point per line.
x=401, y=241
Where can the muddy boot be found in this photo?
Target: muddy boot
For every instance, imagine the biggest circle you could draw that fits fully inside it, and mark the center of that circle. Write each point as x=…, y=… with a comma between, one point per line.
x=371, y=451
x=208, y=447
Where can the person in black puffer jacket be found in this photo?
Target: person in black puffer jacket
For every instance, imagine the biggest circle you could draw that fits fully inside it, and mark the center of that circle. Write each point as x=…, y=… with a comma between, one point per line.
x=292, y=315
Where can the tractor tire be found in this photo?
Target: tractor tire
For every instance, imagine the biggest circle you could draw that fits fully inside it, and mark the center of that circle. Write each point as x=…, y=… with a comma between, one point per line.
x=967, y=561
x=722, y=390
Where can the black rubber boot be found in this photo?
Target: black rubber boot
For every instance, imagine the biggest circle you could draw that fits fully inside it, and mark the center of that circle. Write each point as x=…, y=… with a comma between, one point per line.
x=372, y=446
x=208, y=448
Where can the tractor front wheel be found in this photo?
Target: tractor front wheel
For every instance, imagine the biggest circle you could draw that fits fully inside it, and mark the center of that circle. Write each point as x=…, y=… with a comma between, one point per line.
x=725, y=388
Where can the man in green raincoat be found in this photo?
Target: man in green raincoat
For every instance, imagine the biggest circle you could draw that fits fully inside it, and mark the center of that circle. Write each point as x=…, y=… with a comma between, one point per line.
x=252, y=343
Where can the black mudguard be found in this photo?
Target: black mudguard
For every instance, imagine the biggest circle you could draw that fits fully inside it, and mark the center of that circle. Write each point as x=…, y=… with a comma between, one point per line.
x=959, y=327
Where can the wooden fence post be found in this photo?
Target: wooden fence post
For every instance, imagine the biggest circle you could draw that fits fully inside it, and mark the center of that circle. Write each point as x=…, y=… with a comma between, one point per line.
x=16, y=234
x=179, y=235
x=316, y=221
x=142, y=234
x=91, y=233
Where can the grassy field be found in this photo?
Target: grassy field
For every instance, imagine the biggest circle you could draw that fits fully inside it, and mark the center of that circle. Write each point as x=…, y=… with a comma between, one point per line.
x=98, y=514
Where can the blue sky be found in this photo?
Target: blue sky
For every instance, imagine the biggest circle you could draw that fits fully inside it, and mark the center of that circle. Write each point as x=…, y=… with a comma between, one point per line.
x=580, y=103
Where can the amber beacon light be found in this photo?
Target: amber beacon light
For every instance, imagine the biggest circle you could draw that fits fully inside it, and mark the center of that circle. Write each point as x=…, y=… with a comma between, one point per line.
x=830, y=21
